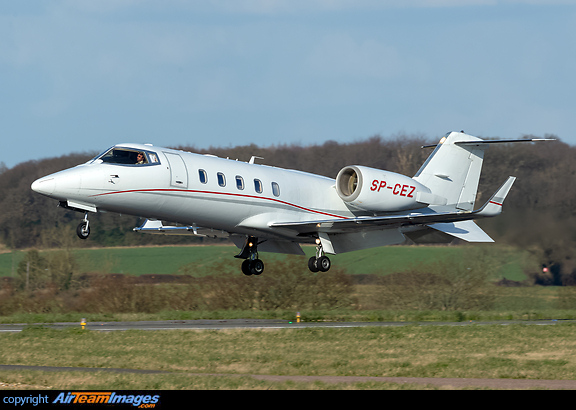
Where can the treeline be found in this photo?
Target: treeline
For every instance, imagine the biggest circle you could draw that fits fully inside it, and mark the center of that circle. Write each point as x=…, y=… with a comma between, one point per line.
x=539, y=213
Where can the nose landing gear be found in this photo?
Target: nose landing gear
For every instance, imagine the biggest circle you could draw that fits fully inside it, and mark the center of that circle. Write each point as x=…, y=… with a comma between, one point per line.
x=83, y=229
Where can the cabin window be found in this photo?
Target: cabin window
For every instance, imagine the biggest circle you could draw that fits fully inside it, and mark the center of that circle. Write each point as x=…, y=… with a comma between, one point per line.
x=221, y=179
x=203, y=176
x=275, y=189
x=258, y=186
x=128, y=156
x=239, y=182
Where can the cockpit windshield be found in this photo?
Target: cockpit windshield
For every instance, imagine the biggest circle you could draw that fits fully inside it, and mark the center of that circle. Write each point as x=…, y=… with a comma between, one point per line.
x=129, y=156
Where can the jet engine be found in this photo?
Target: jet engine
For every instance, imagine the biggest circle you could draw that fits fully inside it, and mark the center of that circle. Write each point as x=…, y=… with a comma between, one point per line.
x=375, y=190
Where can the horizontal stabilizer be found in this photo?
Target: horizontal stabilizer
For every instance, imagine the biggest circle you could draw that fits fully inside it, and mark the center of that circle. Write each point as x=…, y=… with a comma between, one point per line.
x=465, y=230
x=489, y=142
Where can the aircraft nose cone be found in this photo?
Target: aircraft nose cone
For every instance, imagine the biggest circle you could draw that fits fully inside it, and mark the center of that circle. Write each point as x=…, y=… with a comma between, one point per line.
x=44, y=186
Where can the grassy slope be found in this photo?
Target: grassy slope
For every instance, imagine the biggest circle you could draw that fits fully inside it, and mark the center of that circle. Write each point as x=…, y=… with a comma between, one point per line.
x=168, y=259
x=482, y=351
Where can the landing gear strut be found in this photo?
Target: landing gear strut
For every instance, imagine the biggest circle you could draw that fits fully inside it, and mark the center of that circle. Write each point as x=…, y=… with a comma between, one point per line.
x=320, y=262
x=83, y=230
x=252, y=265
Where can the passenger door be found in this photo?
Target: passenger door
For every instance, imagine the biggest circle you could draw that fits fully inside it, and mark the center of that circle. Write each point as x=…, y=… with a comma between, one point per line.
x=178, y=172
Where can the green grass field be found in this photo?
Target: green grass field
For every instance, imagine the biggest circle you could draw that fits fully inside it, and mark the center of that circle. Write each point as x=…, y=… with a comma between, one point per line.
x=473, y=351
x=170, y=259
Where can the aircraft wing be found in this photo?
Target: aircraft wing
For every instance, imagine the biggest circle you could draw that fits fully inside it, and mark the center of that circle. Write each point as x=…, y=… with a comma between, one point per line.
x=425, y=217
x=153, y=226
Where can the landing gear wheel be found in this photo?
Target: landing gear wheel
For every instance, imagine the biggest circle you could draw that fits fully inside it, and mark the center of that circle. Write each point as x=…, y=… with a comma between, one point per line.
x=256, y=267
x=319, y=263
x=313, y=264
x=246, y=267
x=252, y=267
x=323, y=263
x=83, y=230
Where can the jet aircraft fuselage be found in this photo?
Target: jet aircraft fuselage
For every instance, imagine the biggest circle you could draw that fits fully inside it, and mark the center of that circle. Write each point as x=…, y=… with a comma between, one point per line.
x=272, y=209
x=196, y=189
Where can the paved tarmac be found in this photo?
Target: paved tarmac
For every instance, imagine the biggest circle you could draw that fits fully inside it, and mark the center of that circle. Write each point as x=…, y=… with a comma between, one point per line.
x=254, y=324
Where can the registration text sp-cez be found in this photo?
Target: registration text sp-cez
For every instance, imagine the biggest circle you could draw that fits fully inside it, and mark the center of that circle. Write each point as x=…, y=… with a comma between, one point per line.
x=397, y=189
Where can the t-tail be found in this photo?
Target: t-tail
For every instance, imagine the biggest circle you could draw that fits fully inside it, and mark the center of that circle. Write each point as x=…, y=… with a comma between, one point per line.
x=452, y=172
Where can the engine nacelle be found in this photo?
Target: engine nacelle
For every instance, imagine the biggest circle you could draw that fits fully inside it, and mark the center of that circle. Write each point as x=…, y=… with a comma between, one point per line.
x=375, y=190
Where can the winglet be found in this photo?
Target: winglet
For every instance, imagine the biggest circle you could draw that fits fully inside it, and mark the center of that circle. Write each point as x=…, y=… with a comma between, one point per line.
x=494, y=205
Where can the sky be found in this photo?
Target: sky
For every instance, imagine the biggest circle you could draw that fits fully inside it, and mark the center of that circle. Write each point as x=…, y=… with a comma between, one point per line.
x=83, y=75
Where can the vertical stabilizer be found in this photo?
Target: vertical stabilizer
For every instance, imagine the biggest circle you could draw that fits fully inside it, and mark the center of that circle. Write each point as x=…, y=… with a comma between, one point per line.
x=453, y=170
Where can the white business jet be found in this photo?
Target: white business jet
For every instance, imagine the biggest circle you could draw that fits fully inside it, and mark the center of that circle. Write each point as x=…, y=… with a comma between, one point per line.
x=268, y=209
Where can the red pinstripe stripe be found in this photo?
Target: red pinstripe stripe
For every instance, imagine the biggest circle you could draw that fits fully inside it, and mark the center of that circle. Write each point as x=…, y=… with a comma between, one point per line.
x=224, y=193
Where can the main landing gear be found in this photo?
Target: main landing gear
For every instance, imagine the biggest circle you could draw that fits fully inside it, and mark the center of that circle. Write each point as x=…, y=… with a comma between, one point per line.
x=320, y=262
x=83, y=229
x=251, y=265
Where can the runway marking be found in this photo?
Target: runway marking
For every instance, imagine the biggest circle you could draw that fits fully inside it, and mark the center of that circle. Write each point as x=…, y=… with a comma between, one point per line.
x=257, y=324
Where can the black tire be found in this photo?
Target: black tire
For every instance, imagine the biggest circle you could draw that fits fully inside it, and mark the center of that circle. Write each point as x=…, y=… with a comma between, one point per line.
x=323, y=264
x=313, y=264
x=246, y=267
x=83, y=230
x=256, y=267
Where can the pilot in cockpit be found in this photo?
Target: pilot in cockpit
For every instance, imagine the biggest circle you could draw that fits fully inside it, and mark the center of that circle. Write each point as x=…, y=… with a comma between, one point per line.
x=141, y=158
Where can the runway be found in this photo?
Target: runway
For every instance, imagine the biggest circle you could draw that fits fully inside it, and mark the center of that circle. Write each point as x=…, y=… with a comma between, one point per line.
x=253, y=324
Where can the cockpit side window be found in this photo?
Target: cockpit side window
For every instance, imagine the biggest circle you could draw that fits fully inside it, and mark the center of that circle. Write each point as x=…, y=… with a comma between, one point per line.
x=126, y=156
